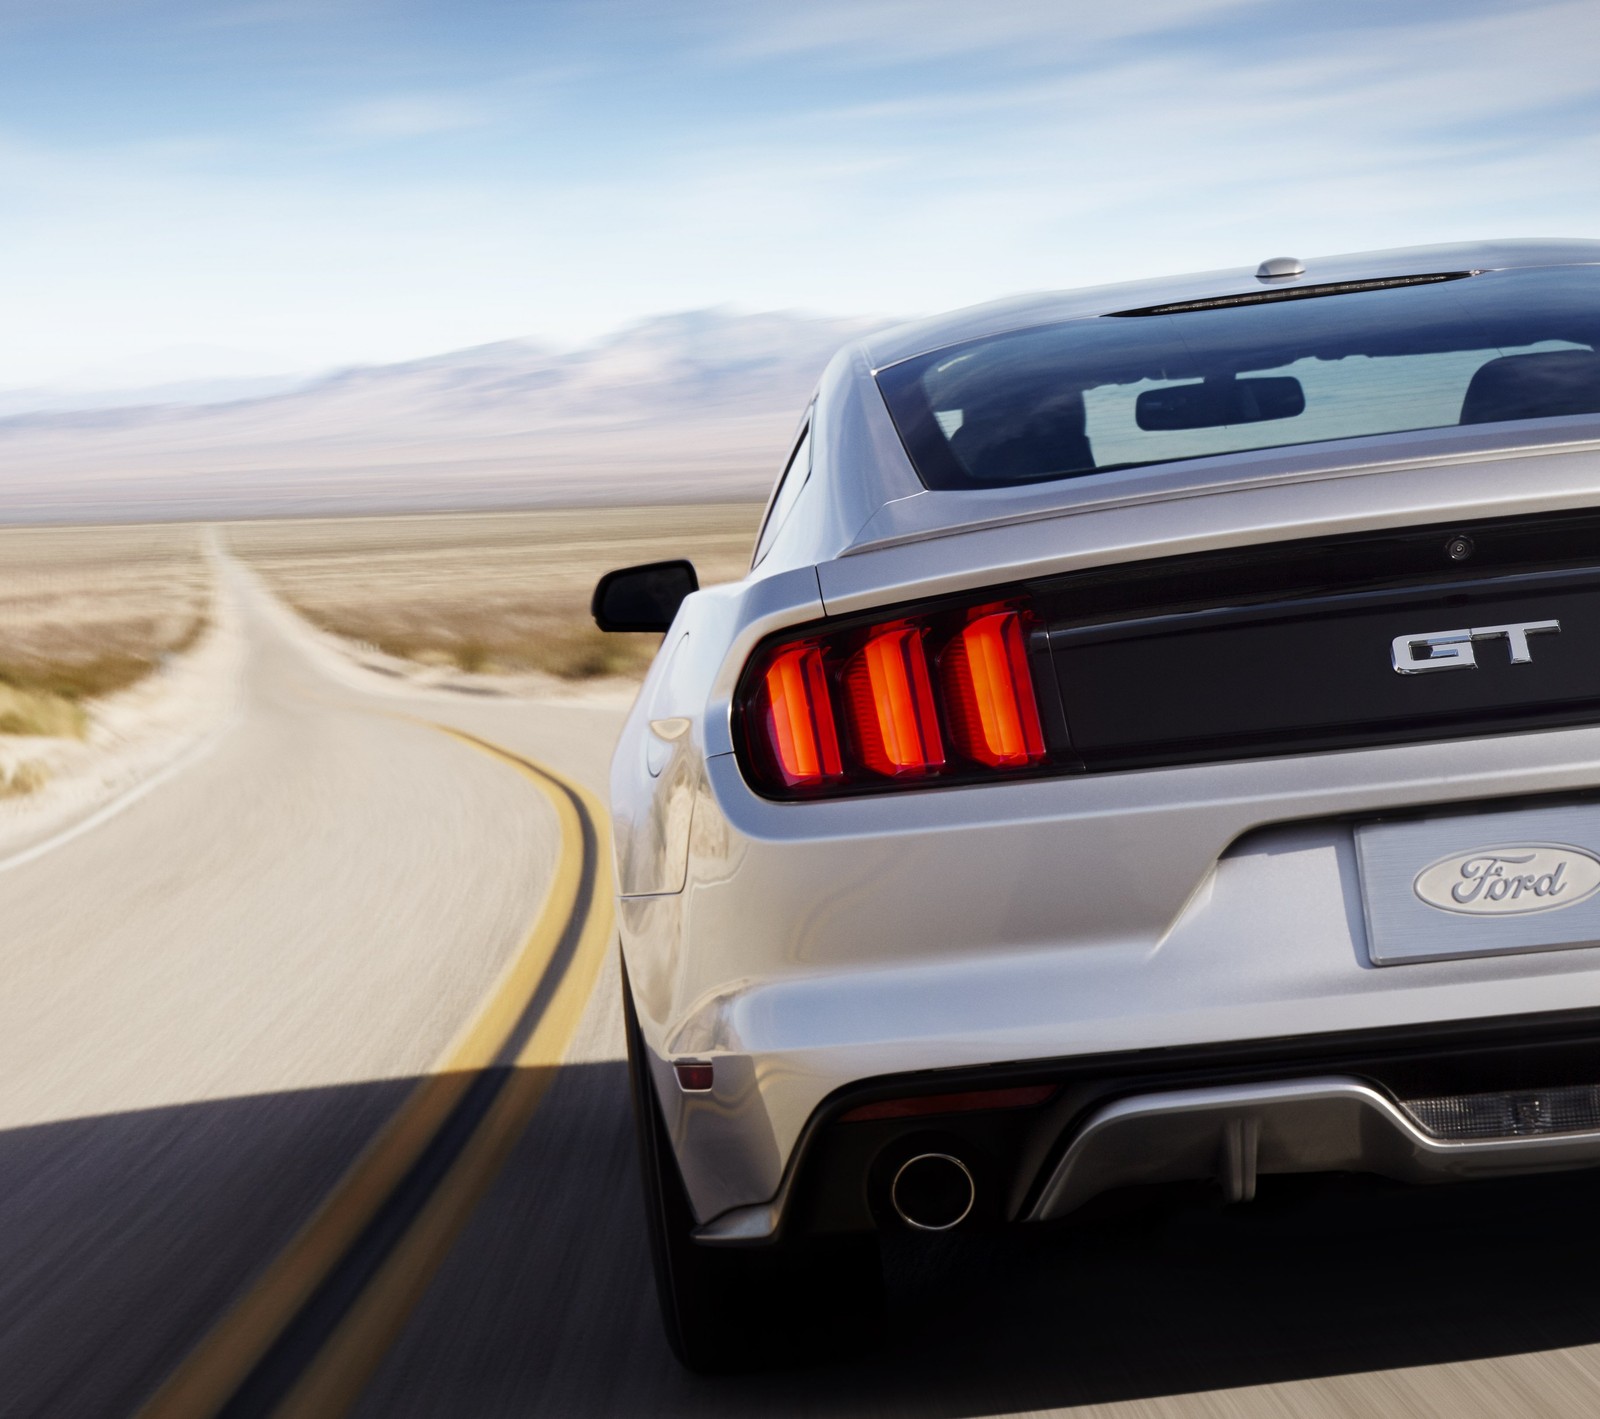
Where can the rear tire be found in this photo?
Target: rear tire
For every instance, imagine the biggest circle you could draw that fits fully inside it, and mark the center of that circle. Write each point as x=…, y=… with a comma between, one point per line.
x=731, y=1308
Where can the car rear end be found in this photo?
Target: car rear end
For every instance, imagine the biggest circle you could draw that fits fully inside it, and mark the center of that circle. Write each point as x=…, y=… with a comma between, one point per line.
x=1077, y=833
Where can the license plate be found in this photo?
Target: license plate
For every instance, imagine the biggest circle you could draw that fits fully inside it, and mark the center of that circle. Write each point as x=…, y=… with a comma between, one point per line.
x=1481, y=884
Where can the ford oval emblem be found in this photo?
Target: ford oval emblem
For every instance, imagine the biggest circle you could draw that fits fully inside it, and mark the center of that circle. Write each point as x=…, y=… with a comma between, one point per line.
x=1508, y=881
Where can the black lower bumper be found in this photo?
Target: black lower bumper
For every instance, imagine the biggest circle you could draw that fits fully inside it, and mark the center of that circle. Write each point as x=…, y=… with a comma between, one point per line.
x=842, y=1165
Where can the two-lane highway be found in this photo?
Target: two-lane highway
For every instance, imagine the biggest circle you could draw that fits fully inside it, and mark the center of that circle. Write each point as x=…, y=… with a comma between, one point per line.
x=311, y=1103
x=266, y=1032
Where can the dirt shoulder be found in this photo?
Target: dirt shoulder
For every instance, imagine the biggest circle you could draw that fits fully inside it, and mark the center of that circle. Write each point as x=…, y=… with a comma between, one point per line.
x=117, y=656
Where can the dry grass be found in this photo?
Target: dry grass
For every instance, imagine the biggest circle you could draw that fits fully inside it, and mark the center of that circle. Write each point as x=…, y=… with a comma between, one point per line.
x=490, y=593
x=88, y=611
x=27, y=777
x=40, y=712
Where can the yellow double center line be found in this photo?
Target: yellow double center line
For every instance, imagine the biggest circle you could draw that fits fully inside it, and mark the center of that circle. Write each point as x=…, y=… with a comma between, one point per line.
x=290, y=1348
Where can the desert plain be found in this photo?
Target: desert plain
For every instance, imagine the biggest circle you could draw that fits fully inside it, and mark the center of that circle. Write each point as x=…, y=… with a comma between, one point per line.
x=89, y=614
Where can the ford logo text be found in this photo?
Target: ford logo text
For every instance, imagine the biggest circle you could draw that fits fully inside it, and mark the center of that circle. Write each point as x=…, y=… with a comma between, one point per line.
x=1508, y=881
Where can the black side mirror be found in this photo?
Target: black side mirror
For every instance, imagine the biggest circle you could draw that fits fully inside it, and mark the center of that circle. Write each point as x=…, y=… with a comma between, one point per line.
x=642, y=598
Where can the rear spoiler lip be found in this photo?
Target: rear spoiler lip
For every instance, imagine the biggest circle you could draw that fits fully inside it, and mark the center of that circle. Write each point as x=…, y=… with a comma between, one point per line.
x=928, y=515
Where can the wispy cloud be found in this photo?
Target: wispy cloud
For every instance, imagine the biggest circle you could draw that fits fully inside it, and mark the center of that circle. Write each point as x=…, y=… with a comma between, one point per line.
x=898, y=32
x=409, y=116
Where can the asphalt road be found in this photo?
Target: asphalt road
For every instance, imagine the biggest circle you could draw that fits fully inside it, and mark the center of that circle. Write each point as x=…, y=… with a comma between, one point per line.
x=223, y=1012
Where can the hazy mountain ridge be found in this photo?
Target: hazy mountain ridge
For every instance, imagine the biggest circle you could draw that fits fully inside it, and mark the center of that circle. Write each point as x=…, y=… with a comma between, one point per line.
x=40, y=403
x=699, y=402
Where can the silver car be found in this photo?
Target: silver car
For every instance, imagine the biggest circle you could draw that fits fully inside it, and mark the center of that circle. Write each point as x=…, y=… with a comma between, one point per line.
x=1157, y=742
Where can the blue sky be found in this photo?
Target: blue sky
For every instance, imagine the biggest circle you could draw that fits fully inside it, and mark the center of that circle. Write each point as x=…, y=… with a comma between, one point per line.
x=317, y=182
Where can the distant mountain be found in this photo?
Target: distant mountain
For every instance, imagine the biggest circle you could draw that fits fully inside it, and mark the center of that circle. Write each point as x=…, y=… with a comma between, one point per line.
x=695, y=404
x=173, y=374
x=54, y=400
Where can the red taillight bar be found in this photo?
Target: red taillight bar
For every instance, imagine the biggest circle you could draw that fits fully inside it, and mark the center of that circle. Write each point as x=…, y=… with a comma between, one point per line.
x=927, y=697
x=994, y=715
x=890, y=697
x=798, y=720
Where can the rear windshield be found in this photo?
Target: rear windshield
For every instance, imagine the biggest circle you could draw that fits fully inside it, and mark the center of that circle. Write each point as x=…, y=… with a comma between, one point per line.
x=1120, y=391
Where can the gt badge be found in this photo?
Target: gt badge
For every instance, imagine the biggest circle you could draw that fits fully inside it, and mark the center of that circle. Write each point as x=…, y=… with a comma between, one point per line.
x=1419, y=653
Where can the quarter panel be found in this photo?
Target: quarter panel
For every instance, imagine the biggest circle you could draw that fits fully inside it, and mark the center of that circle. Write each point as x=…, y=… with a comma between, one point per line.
x=858, y=464
x=655, y=853
x=653, y=778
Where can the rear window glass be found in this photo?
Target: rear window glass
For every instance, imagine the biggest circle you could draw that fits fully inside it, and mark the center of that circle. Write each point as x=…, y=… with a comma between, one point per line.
x=1120, y=391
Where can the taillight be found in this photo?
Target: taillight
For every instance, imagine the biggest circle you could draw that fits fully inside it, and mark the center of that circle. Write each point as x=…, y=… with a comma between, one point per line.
x=994, y=717
x=890, y=697
x=942, y=696
x=798, y=718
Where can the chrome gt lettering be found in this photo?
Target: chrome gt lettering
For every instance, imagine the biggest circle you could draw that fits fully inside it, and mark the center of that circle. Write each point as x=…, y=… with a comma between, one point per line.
x=1455, y=650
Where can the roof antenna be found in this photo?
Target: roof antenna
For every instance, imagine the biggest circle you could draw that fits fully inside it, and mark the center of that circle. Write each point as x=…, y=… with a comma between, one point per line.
x=1280, y=268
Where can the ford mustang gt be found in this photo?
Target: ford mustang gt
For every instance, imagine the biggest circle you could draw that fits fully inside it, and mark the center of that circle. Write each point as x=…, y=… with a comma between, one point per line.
x=1157, y=742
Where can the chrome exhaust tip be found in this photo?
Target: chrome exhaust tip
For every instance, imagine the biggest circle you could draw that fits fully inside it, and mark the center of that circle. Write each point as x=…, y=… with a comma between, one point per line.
x=932, y=1192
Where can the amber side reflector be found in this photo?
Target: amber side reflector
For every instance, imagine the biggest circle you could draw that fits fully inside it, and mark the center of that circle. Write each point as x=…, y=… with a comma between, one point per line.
x=799, y=716
x=994, y=718
x=1025, y=1096
x=890, y=696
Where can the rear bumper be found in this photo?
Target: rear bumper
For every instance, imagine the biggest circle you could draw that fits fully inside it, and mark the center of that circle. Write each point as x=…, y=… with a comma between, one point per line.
x=1235, y=1133
x=1227, y=1115
x=819, y=945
